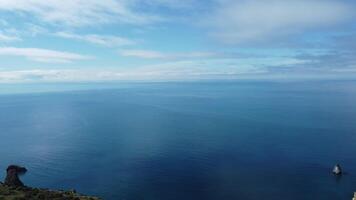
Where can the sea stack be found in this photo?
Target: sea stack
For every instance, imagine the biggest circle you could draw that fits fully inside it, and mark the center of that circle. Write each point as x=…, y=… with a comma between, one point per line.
x=337, y=170
x=12, y=176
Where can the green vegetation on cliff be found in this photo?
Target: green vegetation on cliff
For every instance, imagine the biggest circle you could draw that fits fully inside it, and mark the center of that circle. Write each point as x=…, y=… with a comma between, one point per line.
x=27, y=193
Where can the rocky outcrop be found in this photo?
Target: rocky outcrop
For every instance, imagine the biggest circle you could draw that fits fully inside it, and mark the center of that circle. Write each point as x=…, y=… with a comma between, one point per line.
x=12, y=175
x=13, y=188
x=28, y=193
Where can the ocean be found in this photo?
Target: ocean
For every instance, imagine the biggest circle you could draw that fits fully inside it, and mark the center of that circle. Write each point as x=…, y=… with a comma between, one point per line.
x=204, y=140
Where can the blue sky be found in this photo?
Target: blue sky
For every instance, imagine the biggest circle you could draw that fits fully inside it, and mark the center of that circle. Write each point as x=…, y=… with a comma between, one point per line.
x=109, y=40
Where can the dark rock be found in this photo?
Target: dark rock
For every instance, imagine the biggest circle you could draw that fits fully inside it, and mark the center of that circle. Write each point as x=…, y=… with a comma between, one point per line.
x=14, y=189
x=12, y=176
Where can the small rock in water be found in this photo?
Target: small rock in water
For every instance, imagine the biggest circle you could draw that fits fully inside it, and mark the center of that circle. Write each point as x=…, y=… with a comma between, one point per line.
x=337, y=170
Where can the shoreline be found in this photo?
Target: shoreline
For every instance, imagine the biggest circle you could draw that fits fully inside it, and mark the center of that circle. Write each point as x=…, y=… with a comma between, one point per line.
x=29, y=193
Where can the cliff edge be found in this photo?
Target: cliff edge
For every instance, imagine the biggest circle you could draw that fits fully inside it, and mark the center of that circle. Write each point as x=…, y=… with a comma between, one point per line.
x=14, y=189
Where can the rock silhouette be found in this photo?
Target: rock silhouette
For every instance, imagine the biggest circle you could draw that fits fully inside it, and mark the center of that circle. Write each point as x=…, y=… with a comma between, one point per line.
x=12, y=176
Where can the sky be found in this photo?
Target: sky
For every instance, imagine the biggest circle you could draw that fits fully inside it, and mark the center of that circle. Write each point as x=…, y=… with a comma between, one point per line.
x=111, y=40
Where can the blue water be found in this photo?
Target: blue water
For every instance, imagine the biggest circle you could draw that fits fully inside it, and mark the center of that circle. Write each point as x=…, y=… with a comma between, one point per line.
x=180, y=141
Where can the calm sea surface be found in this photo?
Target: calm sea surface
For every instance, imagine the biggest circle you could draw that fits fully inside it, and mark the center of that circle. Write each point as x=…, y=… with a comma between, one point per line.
x=184, y=141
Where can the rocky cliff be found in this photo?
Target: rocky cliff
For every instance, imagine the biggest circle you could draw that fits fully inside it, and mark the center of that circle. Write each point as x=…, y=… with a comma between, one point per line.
x=14, y=189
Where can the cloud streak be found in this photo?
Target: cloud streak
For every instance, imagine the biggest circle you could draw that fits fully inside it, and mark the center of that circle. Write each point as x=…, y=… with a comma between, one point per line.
x=42, y=55
x=236, y=22
x=149, y=54
x=79, y=12
x=185, y=69
x=103, y=40
x=8, y=38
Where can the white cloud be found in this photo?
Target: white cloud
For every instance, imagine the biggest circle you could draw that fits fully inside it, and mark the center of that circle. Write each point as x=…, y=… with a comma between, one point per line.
x=35, y=30
x=174, y=4
x=79, y=12
x=167, y=71
x=186, y=69
x=141, y=54
x=93, y=12
x=8, y=38
x=42, y=55
x=148, y=54
x=51, y=75
x=23, y=75
x=238, y=21
x=103, y=40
